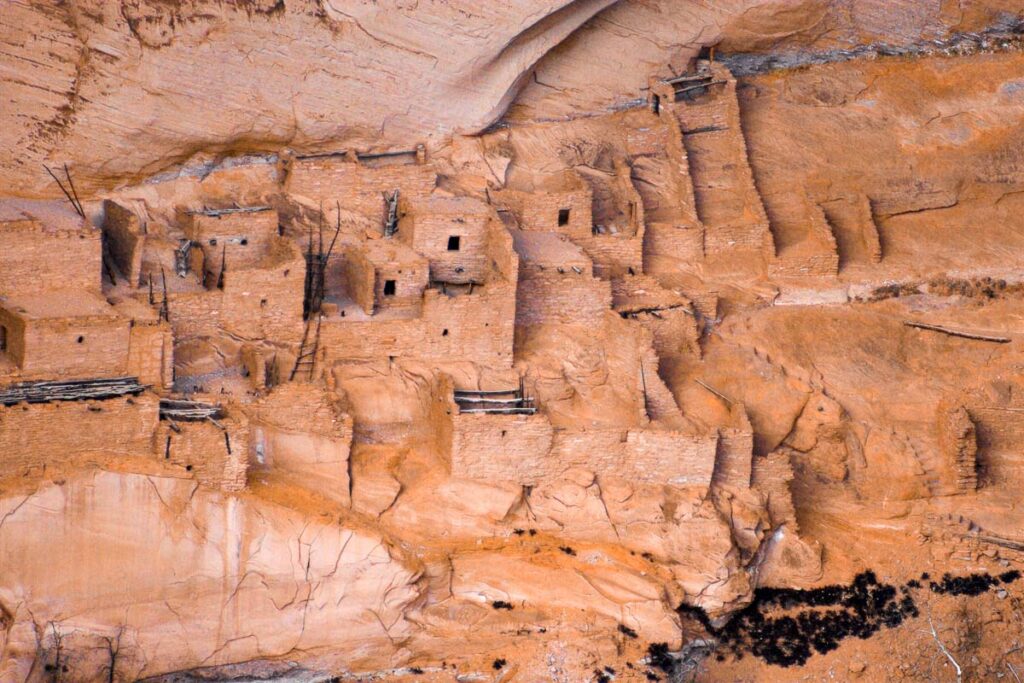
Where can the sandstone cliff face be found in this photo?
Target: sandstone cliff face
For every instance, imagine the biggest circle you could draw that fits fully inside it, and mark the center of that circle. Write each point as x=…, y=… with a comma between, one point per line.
x=549, y=340
x=122, y=91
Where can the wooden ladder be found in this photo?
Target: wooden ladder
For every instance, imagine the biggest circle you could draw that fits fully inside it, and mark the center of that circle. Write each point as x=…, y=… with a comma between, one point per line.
x=308, y=349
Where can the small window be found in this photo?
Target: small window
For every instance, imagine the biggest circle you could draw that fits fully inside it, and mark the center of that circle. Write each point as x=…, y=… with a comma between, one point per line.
x=563, y=217
x=213, y=242
x=453, y=243
x=244, y=242
x=80, y=339
x=389, y=288
x=444, y=333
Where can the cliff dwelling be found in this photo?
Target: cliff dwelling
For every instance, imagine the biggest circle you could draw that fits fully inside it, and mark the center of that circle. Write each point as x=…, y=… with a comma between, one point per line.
x=460, y=341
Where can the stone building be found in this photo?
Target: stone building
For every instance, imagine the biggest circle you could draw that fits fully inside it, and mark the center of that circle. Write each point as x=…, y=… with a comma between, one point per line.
x=360, y=181
x=385, y=275
x=561, y=204
x=452, y=233
x=231, y=238
x=45, y=245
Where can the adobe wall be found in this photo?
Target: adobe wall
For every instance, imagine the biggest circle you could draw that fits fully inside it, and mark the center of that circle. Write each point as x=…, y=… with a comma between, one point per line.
x=356, y=185
x=201, y=448
x=266, y=301
x=546, y=296
x=34, y=259
x=360, y=280
x=771, y=475
x=298, y=429
x=34, y=436
x=853, y=224
x=125, y=239
x=52, y=347
x=817, y=255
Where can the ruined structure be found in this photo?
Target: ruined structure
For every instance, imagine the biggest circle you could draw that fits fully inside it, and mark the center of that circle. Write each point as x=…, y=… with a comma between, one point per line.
x=609, y=341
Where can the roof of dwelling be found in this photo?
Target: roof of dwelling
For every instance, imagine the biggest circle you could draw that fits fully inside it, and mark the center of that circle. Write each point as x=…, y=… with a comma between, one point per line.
x=389, y=251
x=444, y=205
x=51, y=214
x=640, y=292
x=216, y=213
x=58, y=304
x=559, y=182
x=549, y=249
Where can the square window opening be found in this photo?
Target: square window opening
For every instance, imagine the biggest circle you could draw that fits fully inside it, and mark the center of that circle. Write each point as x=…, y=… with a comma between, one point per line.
x=453, y=242
x=389, y=288
x=563, y=217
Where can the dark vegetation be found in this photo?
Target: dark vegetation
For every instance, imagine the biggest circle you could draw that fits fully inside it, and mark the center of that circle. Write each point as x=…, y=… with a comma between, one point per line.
x=501, y=604
x=627, y=631
x=499, y=664
x=786, y=626
x=972, y=584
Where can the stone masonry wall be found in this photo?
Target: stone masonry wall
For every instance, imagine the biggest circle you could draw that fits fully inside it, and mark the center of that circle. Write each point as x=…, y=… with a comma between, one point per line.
x=501, y=447
x=201, y=448
x=151, y=354
x=526, y=450
x=34, y=259
x=125, y=239
x=547, y=296
x=539, y=211
x=475, y=327
x=357, y=186
x=81, y=347
x=428, y=235
x=33, y=436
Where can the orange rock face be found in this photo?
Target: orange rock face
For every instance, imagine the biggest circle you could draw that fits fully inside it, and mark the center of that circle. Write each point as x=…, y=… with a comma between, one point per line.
x=573, y=341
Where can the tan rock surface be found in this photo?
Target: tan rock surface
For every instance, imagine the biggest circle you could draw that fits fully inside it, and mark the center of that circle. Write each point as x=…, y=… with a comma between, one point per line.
x=576, y=340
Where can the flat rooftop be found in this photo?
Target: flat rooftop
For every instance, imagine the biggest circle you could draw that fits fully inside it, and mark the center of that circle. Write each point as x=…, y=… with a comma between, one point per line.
x=389, y=250
x=58, y=304
x=57, y=216
x=549, y=249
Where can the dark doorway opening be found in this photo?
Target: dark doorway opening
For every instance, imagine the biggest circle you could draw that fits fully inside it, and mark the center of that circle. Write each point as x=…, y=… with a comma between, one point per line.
x=453, y=242
x=563, y=217
x=389, y=288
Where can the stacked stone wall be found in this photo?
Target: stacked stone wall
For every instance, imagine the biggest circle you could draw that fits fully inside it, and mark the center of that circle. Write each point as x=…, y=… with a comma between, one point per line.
x=33, y=436
x=125, y=239
x=357, y=186
x=202, y=449
x=34, y=259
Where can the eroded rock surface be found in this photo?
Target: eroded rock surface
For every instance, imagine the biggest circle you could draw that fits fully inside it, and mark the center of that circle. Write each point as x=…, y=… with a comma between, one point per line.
x=580, y=340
